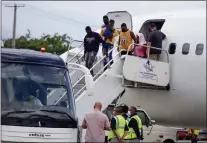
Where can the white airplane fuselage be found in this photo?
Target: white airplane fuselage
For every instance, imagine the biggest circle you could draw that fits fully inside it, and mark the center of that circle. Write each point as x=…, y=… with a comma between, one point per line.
x=185, y=104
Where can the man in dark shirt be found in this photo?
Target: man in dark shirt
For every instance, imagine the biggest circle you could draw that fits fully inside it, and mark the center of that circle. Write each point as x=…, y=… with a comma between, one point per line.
x=118, y=111
x=91, y=47
x=135, y=125
x=155, y=40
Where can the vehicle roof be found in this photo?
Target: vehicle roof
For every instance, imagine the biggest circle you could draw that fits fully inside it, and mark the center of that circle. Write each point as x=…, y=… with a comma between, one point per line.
x=30, y=56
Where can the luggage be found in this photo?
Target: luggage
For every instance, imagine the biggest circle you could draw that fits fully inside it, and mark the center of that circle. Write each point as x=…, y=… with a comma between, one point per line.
x=141, y=51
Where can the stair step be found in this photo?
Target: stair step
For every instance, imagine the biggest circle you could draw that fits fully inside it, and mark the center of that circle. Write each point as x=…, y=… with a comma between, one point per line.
x=153, y=87
x=78, y=86
x=128, y=83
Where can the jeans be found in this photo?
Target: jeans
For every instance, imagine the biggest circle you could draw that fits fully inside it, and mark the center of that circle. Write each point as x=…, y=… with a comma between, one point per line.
x=108, y=55
x=89, y=60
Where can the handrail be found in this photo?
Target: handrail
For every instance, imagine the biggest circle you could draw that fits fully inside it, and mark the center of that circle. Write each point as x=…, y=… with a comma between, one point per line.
x=69, y=48
x=79, y=91
x=60, y=98
x=98, y=72
x=75, y=54
x=73, y=71
x=109, y=62
x=149, y=48
x=79, y=51
x=93, y=67
x=102, y=58
x=78, y=81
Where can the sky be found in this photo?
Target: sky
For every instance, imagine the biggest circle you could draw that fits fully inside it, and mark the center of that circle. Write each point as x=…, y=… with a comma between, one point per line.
x=71, y=17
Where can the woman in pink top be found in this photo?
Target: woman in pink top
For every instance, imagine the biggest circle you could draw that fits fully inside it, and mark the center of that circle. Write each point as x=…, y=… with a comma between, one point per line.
x=141, y=51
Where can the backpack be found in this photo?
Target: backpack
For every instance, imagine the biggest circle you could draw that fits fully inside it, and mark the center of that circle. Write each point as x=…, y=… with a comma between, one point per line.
x=108, y=32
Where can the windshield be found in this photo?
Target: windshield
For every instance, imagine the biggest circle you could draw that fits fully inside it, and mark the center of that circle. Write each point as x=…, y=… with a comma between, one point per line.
x=36, y=87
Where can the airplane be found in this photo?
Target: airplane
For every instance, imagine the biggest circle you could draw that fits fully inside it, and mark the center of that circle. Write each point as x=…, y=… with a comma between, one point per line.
x=183, y=104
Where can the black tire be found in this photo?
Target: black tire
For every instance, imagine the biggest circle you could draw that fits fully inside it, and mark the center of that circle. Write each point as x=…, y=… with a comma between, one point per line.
x=168, y=87
x=168, y=141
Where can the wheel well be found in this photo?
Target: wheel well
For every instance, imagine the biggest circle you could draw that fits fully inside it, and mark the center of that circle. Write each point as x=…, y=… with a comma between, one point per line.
x=168, y=141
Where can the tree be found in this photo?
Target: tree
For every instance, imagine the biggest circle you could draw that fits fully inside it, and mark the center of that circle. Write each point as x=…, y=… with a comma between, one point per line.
x=53, y=43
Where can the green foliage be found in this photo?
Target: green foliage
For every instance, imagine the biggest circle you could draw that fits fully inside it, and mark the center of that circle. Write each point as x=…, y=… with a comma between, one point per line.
x=53, y=43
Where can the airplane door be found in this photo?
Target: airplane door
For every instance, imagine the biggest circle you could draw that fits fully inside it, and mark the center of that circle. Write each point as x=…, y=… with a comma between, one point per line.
x=121, y=17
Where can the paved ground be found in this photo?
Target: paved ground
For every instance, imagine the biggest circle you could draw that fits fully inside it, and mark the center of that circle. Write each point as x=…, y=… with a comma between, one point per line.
x=186, y=141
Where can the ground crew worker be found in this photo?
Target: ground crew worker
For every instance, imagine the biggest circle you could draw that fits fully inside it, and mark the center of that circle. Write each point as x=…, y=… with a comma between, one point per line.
x=126, y=38
x=189, y=133
x=135, y=133
x=119, y=127
x=194, y=135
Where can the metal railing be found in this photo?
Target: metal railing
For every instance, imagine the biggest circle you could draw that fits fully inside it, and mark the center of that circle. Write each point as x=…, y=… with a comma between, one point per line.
x=67, y=61
x=99, y=71
x=94, y=67
x=97, y=74
x=148, y=47
x=74, y=71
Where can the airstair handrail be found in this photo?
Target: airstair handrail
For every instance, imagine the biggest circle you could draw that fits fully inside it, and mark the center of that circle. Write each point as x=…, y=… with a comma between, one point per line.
x=102, y=58
x=79, y=91
x=93, y=67
x=108, y=63
x=88, y=77
x=67, y=61
x=150, y=47
x=73, y=71
x=82, y=68
x=98, y=73
x=60, y=98
x=78, y=52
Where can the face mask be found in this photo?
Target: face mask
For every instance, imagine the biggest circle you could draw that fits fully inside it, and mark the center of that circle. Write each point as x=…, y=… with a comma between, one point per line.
x=129, y=113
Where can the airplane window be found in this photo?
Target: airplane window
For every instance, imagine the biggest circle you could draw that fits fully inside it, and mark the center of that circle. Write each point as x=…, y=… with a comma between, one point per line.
x=172, y=48
x=186, y=48
x=199, y=49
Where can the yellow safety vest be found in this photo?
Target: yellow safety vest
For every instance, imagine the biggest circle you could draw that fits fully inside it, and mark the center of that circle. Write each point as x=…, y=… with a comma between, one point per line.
x=131, y=133
x=125, y=40
x=120, y=125
x=128, y=136
x=30, y=99
x=193, y=131
x=196, y=132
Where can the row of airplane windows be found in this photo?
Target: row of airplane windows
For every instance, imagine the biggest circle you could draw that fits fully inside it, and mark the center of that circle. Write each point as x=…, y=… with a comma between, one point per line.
x=186, y=48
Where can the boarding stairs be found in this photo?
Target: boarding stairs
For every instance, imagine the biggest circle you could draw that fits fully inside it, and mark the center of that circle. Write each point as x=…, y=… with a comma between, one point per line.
x=147, y=73
x=128, y=71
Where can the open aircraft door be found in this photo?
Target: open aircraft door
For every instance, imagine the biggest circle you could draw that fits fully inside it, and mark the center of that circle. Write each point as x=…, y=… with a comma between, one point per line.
x=121, y=17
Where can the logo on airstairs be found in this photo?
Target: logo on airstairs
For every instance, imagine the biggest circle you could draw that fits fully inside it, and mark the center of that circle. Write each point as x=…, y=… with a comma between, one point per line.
x=148, y=66
x=147, y=72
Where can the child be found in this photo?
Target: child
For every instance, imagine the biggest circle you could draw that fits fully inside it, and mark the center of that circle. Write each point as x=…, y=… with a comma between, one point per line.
x=108, y=33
